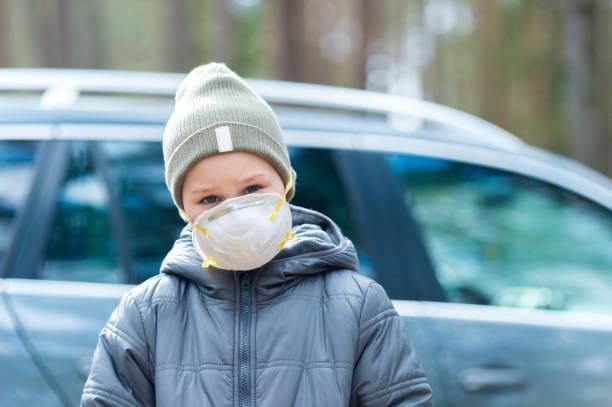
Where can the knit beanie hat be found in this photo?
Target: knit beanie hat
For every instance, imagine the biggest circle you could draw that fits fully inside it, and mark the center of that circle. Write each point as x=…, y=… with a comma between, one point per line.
x=217, y=111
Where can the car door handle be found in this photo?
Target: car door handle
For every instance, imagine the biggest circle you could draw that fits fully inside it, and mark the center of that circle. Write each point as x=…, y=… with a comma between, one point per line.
x=491, y=378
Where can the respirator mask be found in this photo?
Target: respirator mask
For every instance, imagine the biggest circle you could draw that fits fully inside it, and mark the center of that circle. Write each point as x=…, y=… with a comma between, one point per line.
x=244, y=232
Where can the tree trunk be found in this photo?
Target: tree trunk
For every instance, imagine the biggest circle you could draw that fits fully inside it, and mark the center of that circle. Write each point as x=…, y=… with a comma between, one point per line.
x=52, y=29
x=95, y=55
x=223, y=33
x=289, y=42
x=374, y=24
x=178, y=41
x=588, y=143
x=5, y=29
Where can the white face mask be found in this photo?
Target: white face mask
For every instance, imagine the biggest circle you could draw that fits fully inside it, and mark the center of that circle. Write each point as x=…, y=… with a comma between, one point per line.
x=244, y=232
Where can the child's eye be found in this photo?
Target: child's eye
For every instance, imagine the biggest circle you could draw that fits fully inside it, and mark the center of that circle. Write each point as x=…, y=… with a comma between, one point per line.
x=211, y=199
x=206, y=201
x=256, y=186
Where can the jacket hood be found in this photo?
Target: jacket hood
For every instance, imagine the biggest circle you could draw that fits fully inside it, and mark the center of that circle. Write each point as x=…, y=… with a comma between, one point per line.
x=318, y=246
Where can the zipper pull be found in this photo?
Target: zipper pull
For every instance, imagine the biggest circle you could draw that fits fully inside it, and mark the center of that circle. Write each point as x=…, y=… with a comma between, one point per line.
x=245, y=280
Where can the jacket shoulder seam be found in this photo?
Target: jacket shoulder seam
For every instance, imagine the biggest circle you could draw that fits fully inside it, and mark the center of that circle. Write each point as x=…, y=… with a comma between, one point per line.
x=98, y=391
x=116, y=331
x=376, y=319
x=408, y=383
x=365, y=295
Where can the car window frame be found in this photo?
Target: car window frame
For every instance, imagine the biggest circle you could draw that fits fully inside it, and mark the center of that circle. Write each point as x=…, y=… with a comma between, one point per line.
x=387, y=227
x=118, y=228
x=33, y=221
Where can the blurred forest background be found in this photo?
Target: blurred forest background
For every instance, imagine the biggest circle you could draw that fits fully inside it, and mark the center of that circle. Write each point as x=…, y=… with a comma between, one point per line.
x=538, y=68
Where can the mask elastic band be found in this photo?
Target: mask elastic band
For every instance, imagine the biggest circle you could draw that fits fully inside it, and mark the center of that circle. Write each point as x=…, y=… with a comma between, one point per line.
x=208, y=261
x=286, y=237
x=280, y=201
x=200, y=229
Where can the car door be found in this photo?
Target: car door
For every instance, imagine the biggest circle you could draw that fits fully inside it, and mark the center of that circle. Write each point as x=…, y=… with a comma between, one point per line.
x=526, y=267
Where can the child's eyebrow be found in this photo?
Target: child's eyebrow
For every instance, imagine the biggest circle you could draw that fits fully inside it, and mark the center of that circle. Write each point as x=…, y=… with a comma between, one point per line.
x=250, y=177
x=246, y=179
x=200, y=190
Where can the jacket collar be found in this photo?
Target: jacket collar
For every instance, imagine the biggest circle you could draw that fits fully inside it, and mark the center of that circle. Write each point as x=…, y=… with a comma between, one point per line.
x=318, y=246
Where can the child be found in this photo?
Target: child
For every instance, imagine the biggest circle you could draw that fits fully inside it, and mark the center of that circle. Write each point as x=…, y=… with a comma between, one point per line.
x=259, y=302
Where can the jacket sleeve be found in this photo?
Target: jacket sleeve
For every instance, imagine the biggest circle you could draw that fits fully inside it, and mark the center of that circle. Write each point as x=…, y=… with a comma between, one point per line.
x=120, y=373
x=387, y=371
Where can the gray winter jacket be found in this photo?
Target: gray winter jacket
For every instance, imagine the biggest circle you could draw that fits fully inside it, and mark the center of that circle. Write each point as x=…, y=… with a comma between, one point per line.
x=305, y=329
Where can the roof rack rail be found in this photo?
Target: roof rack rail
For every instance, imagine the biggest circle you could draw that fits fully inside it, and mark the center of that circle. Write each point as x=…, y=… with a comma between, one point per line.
x=62, y=87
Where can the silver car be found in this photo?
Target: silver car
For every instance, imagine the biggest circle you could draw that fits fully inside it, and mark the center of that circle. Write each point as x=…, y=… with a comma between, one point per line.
x=498, y=255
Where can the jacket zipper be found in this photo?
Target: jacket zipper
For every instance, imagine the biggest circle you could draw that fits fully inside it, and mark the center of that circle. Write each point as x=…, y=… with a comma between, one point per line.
x=244, y=359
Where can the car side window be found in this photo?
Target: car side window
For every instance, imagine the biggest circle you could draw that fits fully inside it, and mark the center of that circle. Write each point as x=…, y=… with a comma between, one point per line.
x=81, y=246
x=319, y=187
x=152, y=222
x=84, y=245
x=501, y=238
x=136, y=173
x=16, y=174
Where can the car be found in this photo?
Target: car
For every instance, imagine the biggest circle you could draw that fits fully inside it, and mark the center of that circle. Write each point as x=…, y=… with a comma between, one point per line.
x=496, y=254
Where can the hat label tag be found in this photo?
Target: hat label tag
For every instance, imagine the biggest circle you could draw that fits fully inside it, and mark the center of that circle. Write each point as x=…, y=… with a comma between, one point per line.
x=224, y=139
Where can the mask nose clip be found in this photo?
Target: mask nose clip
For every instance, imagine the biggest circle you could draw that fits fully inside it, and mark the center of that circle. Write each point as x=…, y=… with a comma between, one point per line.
x=234, y=207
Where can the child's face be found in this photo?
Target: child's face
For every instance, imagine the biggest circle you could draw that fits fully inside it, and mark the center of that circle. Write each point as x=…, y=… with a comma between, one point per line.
x=226, y=175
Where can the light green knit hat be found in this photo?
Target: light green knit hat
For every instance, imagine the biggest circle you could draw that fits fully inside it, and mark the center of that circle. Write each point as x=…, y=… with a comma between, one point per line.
x=216, y=111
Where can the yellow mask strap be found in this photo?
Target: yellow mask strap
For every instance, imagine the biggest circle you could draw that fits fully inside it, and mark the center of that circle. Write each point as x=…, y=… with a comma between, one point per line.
x=200, y=229
x=286, y=237
x=207, y=261
x=280, y=202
